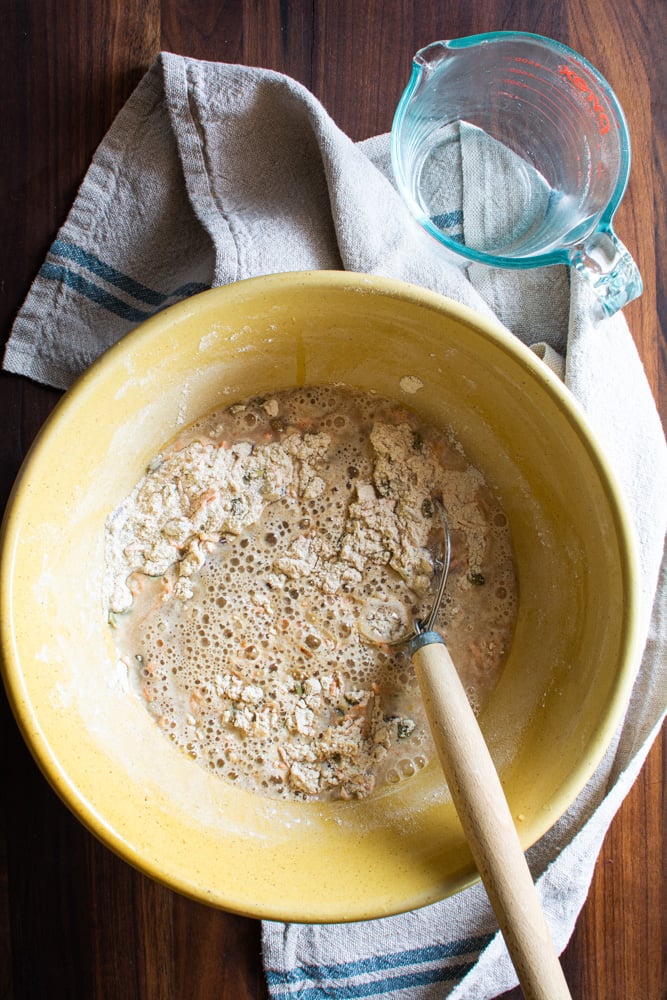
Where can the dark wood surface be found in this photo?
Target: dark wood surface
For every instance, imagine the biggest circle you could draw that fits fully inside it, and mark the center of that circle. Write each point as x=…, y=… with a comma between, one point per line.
x=75, y=921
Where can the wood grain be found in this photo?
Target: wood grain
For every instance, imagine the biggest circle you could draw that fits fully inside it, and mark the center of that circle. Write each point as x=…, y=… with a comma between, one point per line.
x=75, y=921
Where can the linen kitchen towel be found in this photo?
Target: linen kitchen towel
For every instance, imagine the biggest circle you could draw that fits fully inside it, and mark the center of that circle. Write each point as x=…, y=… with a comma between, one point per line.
x=212, y=173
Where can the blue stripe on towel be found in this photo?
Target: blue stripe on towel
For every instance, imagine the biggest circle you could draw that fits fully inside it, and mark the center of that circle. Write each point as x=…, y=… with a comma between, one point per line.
x=111, y=276
x=56, y=272
x=448, y=219
x=393, y=960
x=89, y=262
x=320, y=976
x=378, y=987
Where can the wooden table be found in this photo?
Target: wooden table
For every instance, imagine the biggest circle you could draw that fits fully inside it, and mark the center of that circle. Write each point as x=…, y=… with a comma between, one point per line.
x=75, y=921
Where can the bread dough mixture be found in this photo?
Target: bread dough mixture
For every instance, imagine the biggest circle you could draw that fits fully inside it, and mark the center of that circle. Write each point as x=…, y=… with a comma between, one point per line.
x=259, y=574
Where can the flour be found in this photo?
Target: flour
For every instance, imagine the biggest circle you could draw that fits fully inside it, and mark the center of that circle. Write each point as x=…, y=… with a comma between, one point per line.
x=260, y=570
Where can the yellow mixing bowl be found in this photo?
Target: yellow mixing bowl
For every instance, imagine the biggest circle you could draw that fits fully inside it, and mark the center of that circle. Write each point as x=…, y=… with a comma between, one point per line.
x=572, y=662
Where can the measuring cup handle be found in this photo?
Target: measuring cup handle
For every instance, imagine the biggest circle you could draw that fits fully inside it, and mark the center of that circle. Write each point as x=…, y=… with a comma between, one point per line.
x=486, y=820
x=606, y=264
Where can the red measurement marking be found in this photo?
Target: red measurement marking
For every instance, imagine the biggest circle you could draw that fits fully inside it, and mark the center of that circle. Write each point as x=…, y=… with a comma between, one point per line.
x=583, y=86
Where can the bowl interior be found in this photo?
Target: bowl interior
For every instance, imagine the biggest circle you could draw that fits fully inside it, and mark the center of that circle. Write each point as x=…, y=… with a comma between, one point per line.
x=563, y=689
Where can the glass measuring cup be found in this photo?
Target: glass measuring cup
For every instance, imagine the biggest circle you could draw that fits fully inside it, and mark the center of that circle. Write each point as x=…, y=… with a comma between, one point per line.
x=513, y=151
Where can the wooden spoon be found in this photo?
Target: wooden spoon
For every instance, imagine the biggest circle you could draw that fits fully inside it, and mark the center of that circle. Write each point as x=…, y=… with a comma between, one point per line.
x=482, y=808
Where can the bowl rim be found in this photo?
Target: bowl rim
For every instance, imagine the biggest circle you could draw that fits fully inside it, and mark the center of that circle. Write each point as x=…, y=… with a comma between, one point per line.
x=360, y=283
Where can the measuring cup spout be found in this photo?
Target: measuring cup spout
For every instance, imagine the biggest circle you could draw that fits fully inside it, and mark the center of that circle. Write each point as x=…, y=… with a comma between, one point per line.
x=607, y=265
x=428, y=59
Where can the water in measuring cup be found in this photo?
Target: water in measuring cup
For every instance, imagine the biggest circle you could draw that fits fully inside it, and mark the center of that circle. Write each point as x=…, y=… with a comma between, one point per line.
x=481, y=194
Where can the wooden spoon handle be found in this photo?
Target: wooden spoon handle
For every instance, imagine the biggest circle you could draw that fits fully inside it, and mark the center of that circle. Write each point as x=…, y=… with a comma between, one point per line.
x=487, y=823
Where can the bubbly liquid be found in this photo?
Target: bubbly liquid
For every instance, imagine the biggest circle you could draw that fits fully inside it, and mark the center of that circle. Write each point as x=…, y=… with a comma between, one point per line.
x=276, y=668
